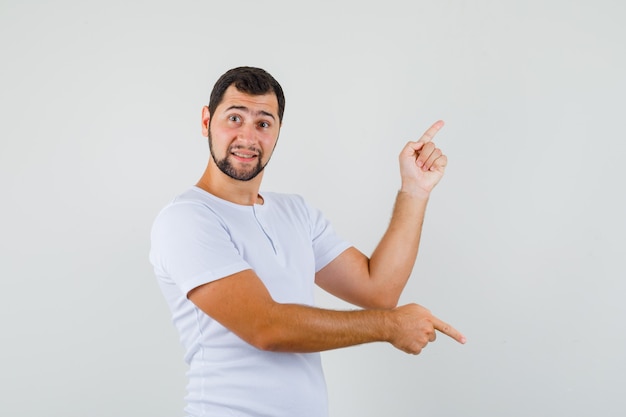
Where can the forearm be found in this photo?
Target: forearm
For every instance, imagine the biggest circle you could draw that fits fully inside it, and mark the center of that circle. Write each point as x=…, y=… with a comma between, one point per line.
x=393, y=259
x=298, y=328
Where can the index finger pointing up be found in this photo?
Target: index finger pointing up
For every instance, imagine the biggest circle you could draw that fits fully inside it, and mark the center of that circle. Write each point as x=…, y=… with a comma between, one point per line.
x=431, y=132
x=448, y=330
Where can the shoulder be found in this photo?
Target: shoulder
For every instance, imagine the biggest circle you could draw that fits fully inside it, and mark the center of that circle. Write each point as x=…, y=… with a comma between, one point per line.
x=188, y=209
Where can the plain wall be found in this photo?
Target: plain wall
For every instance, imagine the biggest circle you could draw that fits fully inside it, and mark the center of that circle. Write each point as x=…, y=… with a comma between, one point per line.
x=523, y=247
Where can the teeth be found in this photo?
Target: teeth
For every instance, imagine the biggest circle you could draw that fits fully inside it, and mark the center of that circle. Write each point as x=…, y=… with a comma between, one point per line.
x=243, y=155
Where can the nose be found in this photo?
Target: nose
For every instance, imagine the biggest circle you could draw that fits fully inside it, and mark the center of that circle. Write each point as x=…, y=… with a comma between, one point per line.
x=247, y=133
x=246, y=136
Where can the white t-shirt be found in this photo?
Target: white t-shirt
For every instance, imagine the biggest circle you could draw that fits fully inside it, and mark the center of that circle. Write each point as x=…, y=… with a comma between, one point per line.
x=199, y=238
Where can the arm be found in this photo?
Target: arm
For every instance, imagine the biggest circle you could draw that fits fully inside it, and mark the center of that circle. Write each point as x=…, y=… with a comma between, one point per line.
x=241, y=303
x=377, y=282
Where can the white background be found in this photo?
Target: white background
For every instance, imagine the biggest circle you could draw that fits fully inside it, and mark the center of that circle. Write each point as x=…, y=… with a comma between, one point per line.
x=523, y=248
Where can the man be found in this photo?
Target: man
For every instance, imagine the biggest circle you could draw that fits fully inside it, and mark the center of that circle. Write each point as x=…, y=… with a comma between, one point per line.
x=238, y=268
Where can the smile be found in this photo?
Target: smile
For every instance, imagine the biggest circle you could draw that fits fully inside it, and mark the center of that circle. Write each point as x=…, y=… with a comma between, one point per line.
x=244, y=156
x=245, y=153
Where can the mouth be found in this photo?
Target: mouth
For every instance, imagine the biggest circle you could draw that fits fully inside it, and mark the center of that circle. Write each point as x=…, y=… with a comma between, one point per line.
x=244, y=155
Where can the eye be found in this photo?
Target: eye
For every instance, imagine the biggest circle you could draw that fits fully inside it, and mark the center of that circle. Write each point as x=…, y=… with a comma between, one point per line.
x=234, y=118
x=264, y=125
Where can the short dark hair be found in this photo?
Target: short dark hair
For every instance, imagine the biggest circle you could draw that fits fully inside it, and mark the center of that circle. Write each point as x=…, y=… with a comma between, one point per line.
x=249, y=80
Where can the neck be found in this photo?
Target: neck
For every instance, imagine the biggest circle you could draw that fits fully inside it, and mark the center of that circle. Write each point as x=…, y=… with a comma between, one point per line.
x=245, y=193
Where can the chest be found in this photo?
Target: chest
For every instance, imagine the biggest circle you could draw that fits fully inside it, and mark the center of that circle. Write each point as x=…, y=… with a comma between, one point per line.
x=278, y=246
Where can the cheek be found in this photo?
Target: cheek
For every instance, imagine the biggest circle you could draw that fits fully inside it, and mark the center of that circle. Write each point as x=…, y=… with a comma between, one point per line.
x=268, y=146
x=222, y=135
x=268, y=139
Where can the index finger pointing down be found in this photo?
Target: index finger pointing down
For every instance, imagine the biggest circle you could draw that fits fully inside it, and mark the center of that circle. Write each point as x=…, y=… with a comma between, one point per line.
x=448, y=330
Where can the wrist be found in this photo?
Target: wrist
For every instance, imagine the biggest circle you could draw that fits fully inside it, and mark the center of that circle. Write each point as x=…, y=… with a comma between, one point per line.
x=389, y=325
x=413, y=189
x=414, y=193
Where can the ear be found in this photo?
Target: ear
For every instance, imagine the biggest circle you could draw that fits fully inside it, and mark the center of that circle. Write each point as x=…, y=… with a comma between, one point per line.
x=206, y=117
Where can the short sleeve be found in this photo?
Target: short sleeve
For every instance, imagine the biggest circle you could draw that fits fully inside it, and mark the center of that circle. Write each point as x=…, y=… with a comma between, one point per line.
x=191, y=246
x=327, y=245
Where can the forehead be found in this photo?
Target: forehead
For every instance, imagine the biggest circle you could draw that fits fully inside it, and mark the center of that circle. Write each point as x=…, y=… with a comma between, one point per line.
x=235, y=98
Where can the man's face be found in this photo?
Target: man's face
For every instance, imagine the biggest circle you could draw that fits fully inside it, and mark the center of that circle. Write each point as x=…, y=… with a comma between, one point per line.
x=243, y=133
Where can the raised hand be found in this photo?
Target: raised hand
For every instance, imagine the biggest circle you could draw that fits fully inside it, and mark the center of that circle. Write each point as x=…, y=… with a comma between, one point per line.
x=422, y=164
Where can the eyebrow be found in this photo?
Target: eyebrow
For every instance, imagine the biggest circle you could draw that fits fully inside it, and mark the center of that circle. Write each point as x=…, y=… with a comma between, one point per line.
x=247, y=110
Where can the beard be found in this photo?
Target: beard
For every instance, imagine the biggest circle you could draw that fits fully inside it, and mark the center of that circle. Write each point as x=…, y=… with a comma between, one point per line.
x=228, y=169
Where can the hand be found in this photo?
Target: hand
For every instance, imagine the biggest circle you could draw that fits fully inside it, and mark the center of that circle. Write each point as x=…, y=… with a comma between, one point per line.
x=415, y=328
x=422, y=164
